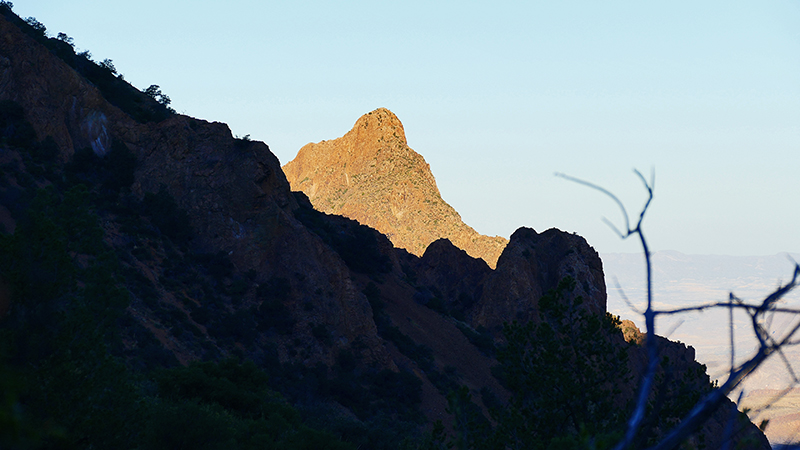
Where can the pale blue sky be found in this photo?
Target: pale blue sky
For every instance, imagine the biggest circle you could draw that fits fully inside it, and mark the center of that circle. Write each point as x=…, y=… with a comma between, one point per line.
x=498, y=96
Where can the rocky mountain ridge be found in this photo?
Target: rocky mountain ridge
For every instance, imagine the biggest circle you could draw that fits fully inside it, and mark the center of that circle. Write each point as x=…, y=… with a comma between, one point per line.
x=155, y=263
x=371, y=175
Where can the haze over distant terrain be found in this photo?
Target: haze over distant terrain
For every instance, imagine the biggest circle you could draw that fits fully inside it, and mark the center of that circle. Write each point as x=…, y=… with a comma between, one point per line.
x=500, y=96
x=683, y=280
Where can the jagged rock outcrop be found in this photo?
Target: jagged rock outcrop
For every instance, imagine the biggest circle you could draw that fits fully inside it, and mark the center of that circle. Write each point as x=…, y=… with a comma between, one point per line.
x=533, y=263
x=631, y=332
x=451, y=275
x=371, y=175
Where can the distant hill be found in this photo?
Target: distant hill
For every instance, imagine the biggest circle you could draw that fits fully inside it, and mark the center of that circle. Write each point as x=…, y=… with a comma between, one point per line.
x=371, y=175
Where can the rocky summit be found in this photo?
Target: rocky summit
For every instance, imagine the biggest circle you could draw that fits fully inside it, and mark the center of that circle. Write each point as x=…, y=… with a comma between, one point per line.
x=371, y=175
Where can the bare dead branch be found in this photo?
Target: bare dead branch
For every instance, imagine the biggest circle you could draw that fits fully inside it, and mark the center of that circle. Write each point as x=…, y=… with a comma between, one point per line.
x=673, y=328
x=743, y=306
x=731, y=299
x=646, y=387
x=625, y=297
x=609, y=194
x=760, y=314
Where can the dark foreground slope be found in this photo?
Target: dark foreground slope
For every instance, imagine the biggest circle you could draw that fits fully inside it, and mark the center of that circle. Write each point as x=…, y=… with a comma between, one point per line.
x=161, y=287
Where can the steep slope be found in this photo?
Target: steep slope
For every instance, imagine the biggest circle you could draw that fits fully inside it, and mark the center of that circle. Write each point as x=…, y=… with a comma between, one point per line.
x=233, y=191
x=371, y=175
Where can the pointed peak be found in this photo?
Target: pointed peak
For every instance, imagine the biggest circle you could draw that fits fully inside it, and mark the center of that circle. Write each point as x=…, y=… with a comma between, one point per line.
x=381, y=122
x=383, y=113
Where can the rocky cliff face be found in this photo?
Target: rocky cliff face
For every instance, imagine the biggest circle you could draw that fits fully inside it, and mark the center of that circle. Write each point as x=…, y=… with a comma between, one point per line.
x=371, y=175
x=532, y=264
x=236, y=196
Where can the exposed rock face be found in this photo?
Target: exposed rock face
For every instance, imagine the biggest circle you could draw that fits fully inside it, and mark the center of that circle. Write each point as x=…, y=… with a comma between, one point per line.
x=533, y=263
x=631, y=332
x=454, y=275
x=240, y=204
x=234, y=191
x=371, y=175
x=59, y=102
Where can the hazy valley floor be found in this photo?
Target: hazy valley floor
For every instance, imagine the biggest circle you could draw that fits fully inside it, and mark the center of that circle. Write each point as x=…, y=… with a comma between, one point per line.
x=682, y=280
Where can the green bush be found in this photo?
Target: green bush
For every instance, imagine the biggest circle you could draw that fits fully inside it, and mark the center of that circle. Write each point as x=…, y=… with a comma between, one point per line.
x=190, y=425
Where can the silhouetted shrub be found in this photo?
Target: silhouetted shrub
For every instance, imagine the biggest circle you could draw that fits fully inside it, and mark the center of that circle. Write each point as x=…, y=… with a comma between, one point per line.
x=345, y=361
x=201, y=315
x=238, y=288
x=420, y=354
x=574, y=350
x=347, y=390
x=445, y=382
x=152, y=353
x=239, y=326
x=45, y=151
x=190, y=425
x=37, y=29
x=403, y=389
x=237, y=387
x=154, y=92
x=83, y=166
x=480, y=338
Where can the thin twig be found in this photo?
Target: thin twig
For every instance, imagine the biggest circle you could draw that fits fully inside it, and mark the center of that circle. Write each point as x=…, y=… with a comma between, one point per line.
x=625, y=297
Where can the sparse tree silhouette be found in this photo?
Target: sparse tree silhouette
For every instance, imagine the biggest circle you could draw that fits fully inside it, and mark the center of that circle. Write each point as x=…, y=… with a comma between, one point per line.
x=770, y=341
x=154, y=92
x=109, y=65
x=64, y=38
x=36, y=25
